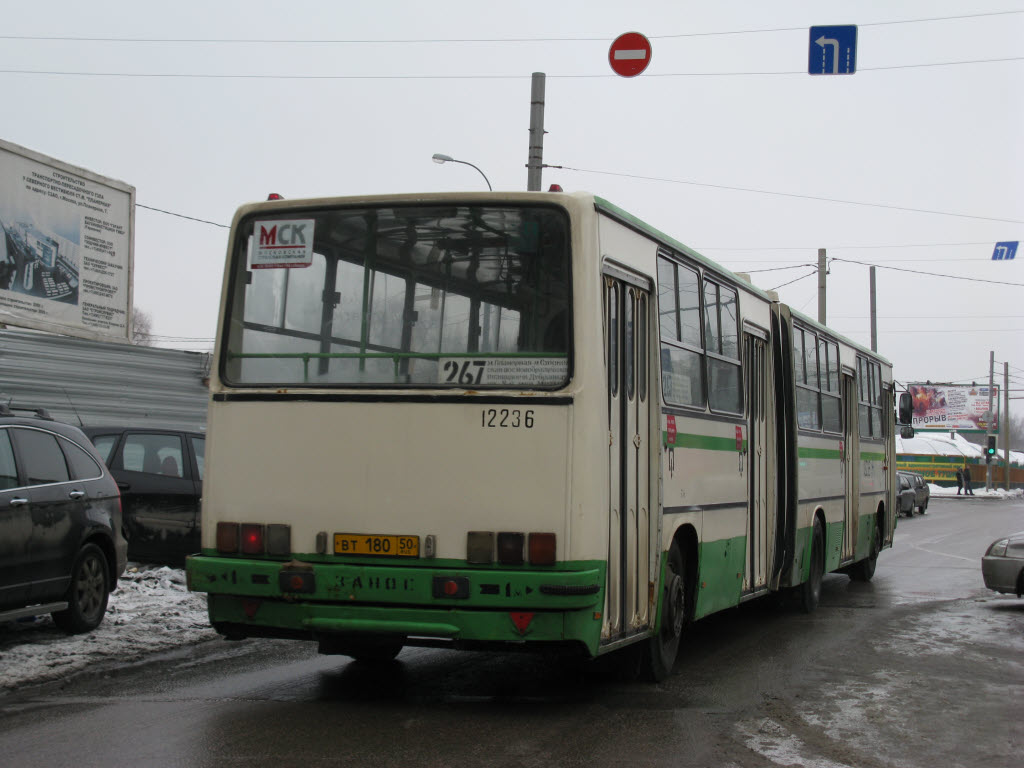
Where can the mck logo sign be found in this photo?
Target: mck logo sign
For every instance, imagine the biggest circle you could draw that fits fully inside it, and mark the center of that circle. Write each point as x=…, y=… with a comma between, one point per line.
x=282, y=244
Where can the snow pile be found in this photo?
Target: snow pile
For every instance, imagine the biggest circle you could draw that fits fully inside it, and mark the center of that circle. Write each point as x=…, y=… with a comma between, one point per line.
x=151, y=610
x=980, y=492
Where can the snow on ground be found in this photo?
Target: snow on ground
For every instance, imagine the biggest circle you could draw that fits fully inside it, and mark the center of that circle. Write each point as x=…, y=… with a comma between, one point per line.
x=150, y=611
x=979, y=493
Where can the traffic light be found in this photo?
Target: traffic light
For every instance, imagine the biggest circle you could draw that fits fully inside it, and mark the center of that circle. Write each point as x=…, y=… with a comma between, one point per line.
x=990, y=449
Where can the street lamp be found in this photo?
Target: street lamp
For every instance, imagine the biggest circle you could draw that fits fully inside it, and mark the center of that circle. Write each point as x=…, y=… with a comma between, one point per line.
x=441, y=159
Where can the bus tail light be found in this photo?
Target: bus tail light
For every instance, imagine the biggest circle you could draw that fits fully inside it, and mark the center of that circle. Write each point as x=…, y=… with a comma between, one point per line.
x=227, y=538
x=510, y=548
x=279, y=539
x=542, y=548
x=252, y=539
x=480, y=547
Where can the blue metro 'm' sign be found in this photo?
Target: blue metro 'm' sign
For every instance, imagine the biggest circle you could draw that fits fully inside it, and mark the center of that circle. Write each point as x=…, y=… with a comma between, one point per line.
x=1005, y=251
x=833, y=50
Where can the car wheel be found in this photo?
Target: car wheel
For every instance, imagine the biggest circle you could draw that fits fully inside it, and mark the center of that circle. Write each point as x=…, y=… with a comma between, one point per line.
x=88, y=593
x=810, y=590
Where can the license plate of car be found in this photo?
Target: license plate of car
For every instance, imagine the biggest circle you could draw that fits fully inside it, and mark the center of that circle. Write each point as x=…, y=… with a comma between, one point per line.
x=375, y=544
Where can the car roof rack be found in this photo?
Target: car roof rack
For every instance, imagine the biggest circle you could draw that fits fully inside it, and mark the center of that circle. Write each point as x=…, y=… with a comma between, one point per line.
x=9, y=410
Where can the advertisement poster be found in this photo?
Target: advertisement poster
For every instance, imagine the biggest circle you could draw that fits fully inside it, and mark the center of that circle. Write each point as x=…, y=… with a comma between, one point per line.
x=953, y=406
x=66, y=247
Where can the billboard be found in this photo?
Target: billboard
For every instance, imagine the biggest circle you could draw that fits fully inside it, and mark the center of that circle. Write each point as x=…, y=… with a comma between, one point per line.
x=66, y=247
x=953, y=406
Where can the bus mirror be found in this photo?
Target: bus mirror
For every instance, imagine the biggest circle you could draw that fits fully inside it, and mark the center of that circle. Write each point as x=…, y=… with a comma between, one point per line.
x=906, y=432
x=906, y=408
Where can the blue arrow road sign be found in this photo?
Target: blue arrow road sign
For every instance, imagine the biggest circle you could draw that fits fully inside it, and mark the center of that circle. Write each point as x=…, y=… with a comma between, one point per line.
x=833, y=50
x=1005, y=251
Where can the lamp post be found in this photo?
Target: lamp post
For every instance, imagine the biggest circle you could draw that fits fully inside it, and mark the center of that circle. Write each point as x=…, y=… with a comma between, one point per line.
x=441, y=159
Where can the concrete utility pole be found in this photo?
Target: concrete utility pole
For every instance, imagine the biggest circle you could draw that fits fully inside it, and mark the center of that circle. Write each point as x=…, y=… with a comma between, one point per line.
x=535, y=157
x=1004, y=426
x=991, y=415
x=821, y=286
x=874, y=315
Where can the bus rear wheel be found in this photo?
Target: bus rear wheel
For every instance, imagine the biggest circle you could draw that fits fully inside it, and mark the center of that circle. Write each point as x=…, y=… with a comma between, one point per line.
x=864, y=570
x=810, y=590
x=663, y=648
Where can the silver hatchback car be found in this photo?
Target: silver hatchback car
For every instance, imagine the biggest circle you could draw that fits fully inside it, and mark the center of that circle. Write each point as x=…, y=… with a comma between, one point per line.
x=1003, y=565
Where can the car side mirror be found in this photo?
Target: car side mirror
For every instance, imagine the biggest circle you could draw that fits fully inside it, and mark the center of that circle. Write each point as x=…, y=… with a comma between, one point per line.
x=906, y=411
x=906, y=432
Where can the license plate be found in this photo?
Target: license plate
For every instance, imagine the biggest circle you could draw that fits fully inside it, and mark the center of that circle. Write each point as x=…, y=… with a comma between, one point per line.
x=373, y=544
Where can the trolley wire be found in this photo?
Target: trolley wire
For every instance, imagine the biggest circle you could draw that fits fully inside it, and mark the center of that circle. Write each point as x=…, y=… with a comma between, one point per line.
x=449, y=41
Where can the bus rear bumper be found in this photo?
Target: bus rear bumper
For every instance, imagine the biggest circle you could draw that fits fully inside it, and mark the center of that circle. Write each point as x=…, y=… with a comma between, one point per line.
x=250, y=598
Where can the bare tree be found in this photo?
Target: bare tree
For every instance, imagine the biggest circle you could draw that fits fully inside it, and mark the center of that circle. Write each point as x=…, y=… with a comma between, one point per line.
x=142, y=327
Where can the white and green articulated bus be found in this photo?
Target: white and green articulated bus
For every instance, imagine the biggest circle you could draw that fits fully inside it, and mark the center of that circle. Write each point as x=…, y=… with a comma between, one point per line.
x=521, y=421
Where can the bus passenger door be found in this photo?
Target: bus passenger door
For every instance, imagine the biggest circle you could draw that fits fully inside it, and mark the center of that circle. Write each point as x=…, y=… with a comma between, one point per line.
x=850, y=464
x=627, y=352
x=760, y=522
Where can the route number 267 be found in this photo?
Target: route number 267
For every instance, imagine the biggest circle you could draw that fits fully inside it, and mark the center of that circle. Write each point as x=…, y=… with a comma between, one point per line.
x=464, y=373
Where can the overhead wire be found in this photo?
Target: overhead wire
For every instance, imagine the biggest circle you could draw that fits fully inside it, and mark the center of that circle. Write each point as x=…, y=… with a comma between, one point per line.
x=448, y=41
x=803, y=277
x=786, y=194
x=603, y=76
x=930, y=274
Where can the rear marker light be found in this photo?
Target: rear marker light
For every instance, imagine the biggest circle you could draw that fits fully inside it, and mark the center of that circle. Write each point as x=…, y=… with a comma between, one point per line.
x=510, y=548
x=252, y=539
x=227, y=538
x=480, y=547
x=543, y=548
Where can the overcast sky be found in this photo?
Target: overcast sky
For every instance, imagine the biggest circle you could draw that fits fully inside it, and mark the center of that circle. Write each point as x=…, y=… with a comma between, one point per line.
x=725, y=142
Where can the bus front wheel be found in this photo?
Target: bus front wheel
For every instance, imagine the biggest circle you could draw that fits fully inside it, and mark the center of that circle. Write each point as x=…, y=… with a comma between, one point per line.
x=664, y=646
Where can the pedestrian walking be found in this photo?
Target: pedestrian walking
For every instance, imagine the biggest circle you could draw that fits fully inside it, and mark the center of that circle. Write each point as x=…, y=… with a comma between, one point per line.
x=968, y=491
x=959, y=480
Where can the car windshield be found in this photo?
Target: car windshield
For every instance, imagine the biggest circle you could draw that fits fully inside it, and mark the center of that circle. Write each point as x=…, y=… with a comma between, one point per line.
x=441, y=296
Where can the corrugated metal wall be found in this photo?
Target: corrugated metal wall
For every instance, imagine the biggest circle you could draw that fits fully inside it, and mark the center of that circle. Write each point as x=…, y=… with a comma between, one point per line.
x=108, y=384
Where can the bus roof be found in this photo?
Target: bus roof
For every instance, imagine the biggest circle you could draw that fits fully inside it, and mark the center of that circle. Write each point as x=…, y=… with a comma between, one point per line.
x=611, y=208
x=614, y=210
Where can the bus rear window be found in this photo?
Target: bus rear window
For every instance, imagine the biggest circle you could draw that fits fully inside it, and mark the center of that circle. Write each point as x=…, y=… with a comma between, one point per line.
x=462, y=296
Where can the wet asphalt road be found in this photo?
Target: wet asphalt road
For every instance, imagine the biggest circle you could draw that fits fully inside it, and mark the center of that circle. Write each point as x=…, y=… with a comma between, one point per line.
x=922, y=667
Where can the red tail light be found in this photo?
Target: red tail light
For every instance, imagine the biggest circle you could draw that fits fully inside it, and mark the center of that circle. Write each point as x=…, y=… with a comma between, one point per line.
x=252, y=539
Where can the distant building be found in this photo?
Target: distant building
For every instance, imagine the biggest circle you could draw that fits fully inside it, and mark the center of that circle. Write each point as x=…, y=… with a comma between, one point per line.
x=936, y=456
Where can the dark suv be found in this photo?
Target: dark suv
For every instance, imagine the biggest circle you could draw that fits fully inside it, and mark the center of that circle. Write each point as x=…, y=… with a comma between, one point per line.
x=61, y=545
x=160, y=474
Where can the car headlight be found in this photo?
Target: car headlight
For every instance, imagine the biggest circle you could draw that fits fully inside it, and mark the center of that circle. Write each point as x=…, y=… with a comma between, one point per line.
x=999, y=548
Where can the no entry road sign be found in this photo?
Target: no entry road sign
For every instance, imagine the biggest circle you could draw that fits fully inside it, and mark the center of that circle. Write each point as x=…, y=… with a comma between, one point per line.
x=629, y=54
